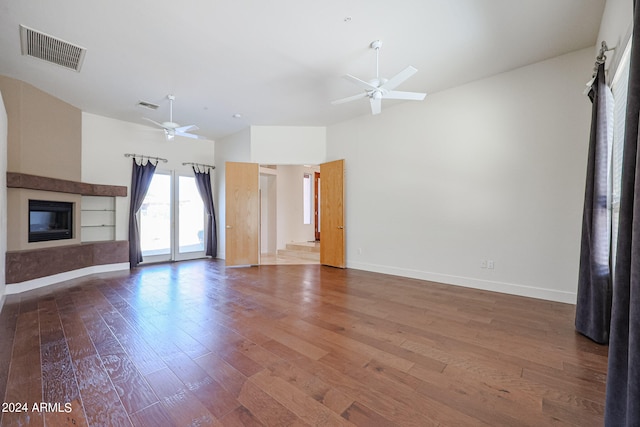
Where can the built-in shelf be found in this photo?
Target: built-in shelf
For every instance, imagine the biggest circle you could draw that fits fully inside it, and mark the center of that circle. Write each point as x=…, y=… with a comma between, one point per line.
x=97, y=218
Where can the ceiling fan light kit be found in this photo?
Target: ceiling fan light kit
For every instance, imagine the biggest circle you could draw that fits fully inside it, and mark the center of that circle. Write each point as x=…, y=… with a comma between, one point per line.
x=171, y=128
x=380, y=88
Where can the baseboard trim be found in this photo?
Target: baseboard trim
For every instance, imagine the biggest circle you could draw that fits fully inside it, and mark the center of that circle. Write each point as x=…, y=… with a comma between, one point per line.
x=468, y=282
x=28, y=285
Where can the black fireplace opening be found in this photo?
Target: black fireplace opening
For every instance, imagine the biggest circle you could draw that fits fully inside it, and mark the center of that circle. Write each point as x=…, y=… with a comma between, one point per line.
x=50, y=220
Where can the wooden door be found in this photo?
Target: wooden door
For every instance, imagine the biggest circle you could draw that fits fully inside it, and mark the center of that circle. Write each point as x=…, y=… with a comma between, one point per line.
x=242, y=214
x=332, y=246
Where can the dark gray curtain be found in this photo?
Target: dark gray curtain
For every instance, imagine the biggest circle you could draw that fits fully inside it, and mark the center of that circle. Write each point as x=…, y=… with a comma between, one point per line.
x=141, y=176
x=203, y=182
x=593, y=306
x=622, y=406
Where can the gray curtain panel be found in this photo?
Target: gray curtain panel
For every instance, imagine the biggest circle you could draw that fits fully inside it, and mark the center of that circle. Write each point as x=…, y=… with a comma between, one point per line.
x=622, y=407
x=141, y=176
x=203, y=182
x=593, y=306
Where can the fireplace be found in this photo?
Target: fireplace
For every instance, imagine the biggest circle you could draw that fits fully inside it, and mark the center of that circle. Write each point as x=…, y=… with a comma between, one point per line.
x=50, y=220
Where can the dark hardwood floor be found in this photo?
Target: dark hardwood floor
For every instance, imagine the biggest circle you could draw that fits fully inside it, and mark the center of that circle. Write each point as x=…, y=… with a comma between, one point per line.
x=195, y=344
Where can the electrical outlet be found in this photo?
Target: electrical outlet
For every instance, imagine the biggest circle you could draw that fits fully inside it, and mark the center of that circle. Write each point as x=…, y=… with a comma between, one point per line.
x=483, y=263
x=490, y=264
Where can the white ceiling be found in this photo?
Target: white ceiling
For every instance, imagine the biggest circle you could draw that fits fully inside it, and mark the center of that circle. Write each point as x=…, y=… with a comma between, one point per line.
x=279, y=62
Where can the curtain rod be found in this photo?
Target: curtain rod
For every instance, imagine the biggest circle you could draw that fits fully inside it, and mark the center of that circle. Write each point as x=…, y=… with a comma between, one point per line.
x=142, y=156
x=601, y=58
x=198, y=164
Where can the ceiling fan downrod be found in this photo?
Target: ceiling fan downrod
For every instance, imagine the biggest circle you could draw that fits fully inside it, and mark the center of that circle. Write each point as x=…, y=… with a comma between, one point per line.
x=377, y=44
x=171, y=98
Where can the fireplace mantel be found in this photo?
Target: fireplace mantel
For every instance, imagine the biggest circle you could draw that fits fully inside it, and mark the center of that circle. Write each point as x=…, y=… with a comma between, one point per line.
x=35, y=182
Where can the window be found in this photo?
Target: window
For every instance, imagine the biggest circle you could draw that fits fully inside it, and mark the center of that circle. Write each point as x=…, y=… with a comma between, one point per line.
x=190, y=216
x=155, y=217
x=306, y=198
x=619, y=88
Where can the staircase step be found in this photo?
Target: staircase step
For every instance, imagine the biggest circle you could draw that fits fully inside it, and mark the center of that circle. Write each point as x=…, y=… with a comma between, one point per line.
x=304, y=246
x=308, y=255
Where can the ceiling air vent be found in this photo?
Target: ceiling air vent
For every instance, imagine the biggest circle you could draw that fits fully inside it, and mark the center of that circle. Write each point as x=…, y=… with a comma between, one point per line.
x=51, y=49
x=148, y=105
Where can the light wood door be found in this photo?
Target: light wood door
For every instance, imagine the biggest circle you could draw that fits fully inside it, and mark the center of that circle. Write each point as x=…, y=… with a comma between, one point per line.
x=332, y=246
x=242, y=214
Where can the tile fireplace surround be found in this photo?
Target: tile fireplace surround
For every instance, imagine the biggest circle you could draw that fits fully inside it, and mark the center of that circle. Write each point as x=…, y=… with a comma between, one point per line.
x=39, y=266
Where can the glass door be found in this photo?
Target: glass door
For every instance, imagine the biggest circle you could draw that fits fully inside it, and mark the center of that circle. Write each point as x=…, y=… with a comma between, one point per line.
x=156, y=218
x=190, y=214
x=172, y=219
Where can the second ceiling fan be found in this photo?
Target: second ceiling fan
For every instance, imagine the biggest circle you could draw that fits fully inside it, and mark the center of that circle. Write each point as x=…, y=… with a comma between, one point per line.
x=380, y=88
x=171, y=129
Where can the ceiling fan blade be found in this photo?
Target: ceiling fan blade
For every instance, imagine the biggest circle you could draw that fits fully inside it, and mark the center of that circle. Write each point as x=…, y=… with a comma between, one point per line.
x=396, y=80
x=412, y=96
x=190, y=135
x=376, y=105
x=349, y=98
x=359, y=82
x=187, y=128
x=154, y=122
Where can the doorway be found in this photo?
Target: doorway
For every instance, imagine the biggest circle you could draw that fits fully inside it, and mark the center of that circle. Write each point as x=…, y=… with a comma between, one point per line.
x=287, y=215
x=243, y=200
x=172, y=219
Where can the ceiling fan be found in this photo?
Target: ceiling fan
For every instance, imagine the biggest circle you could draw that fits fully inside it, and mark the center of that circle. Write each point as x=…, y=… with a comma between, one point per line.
x=380, y=88
x=171, y=129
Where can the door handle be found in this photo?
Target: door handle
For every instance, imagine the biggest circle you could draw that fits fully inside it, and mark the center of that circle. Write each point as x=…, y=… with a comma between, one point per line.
x=340, y=227
x=228, y=226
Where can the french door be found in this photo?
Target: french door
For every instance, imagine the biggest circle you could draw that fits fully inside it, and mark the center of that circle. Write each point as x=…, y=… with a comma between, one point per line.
x=172, y=219
x=332, y=245
x=242, y=213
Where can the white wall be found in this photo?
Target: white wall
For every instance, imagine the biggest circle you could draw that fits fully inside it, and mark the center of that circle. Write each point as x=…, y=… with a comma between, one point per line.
x=104, y=143
x=3, y=198
x=493, y=170
x=233, y=148
x=288, y=145
x=268, y=210
x=615, y=25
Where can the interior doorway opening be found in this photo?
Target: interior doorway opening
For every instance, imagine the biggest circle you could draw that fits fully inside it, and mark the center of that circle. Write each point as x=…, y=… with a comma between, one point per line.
x=289, y=214
x=243, y=211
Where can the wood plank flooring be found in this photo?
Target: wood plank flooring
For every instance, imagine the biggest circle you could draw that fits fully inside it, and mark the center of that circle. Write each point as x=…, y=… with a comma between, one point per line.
x=198, y=344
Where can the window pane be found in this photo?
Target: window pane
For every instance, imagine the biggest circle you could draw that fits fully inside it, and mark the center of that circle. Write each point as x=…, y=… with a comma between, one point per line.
x=155, y=217
x=191, y=216
x=306, y=198
x=620, y=90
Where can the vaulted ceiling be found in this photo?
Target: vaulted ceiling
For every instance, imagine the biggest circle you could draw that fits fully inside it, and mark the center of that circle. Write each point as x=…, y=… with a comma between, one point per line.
x=279, y=62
